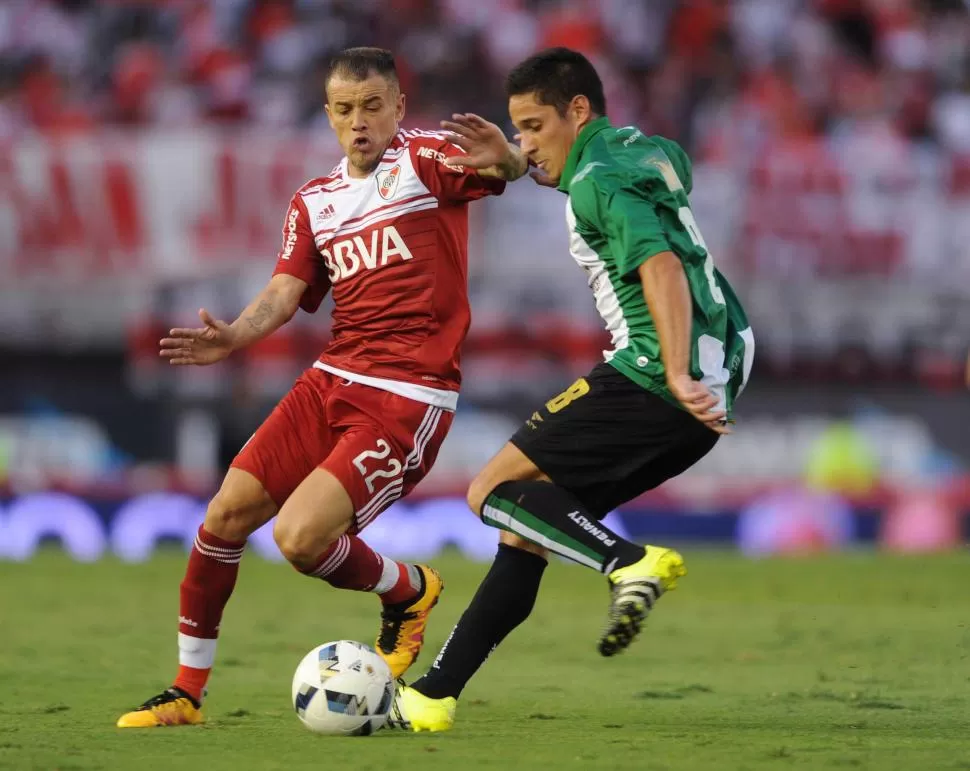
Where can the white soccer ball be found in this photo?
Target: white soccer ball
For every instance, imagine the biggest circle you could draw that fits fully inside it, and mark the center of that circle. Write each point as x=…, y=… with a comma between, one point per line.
x=343, y=688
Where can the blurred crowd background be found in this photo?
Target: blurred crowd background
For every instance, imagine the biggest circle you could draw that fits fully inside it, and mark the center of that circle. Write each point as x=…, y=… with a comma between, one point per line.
x=148, y=150
x=721, y=75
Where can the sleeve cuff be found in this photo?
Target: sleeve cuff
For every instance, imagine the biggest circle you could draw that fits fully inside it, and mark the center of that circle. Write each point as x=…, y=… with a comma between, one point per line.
x=644, y=253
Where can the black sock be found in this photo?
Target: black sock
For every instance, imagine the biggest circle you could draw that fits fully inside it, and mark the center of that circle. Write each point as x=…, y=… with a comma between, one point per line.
x=503, y=601
x=547, y=515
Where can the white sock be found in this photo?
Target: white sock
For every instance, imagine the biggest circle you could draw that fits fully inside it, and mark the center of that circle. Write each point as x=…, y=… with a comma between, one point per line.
x=196, y=652
x=391, y=571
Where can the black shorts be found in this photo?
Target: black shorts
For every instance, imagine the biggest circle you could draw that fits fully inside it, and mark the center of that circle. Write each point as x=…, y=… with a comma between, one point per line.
x=607, y=439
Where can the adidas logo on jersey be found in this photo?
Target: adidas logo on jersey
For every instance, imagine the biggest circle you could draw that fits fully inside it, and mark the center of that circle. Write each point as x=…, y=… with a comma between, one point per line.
x=326, y=213
x=348, y=256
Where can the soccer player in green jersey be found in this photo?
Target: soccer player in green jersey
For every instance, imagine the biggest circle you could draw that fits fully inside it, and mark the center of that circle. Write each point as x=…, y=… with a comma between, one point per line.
x=681, y=353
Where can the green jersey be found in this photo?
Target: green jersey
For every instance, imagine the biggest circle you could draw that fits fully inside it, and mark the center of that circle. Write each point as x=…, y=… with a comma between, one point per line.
x=628, y=202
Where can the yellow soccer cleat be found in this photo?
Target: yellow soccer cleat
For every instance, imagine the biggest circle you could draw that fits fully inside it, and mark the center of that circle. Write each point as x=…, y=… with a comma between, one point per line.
x=413, y=711
x=402, y=629
x=635, y=589
x=171, y=707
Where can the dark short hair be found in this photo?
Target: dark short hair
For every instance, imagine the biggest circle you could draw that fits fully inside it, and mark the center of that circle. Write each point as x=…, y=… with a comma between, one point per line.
x=556, y=75
x=362, y=62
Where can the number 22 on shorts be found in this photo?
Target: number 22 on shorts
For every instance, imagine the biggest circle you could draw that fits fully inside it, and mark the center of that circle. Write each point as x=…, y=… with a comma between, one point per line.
x=567, y=397
x=392, y=468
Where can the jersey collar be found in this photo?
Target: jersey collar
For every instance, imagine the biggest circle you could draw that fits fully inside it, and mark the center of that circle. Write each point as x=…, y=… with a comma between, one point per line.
x=590, y=130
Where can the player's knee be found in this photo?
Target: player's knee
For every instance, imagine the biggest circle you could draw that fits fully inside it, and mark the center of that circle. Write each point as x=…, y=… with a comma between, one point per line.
x=293, y=541
x=299, y=542
x=235, y=514
x=510, y=465
x=480, y=488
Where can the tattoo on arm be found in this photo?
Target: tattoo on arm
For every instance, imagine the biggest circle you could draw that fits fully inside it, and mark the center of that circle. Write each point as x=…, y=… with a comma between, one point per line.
x=515, y=166
x=262, y=313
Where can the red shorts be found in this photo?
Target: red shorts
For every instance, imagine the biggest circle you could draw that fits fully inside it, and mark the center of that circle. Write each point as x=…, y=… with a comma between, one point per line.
x=377, y=444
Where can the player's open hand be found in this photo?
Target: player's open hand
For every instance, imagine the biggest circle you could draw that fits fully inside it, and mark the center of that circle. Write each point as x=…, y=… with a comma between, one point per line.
x=484, y=143
x=207, y=345
x=699, y=402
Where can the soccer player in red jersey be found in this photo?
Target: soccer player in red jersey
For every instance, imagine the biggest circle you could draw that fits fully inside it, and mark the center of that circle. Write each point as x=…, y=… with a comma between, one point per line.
x=386, y=232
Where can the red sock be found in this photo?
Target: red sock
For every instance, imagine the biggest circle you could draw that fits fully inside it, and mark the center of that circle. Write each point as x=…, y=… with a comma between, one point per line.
x=209, y=580
x=350, y=563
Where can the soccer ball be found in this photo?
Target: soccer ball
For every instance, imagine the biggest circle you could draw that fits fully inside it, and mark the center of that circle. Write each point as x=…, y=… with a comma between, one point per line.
x=343, y=688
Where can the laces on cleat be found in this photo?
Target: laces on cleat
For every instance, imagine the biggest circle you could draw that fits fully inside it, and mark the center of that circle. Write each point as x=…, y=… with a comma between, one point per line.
x=395, y=718
x=167, y=697
x=393, y=617
x=392, y=620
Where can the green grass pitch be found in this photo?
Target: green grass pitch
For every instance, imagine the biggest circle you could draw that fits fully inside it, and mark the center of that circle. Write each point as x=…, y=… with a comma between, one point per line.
x=851, y=661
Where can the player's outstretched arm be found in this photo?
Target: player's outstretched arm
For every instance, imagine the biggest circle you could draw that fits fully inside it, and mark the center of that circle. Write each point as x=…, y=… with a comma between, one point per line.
x=486, y=148
x=667, y=293
x=272, y=307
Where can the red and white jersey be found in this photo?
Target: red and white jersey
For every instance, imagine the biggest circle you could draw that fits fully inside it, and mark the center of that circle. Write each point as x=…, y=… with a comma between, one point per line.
x=393, y=249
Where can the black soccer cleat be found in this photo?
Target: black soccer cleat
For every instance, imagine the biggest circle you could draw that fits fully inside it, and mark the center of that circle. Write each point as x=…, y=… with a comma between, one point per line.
x=633, y=591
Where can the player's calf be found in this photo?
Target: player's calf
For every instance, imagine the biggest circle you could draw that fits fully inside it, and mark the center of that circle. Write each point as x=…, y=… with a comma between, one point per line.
x=551, y=517
x=408, y=593
x=504, y=600
x=238, y=509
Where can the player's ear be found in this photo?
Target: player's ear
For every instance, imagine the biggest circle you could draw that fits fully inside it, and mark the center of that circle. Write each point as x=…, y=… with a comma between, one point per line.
x=399, y=107
x=580, y=110
x=329, y=116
